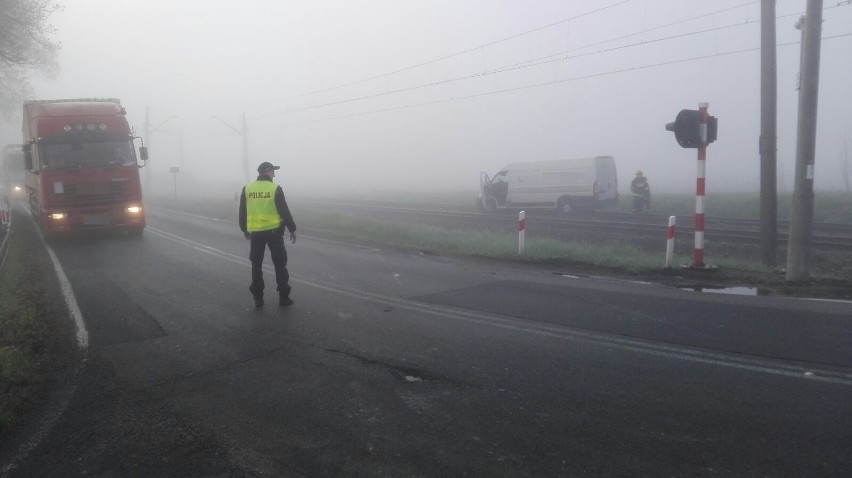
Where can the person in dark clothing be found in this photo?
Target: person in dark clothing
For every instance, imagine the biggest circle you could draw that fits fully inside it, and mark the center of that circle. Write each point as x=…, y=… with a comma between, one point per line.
x=641, y=193
x=263, y=216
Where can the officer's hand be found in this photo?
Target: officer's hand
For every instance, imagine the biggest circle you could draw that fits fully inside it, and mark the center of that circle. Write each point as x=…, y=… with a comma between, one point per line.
x=247, y=235
x=292, y=238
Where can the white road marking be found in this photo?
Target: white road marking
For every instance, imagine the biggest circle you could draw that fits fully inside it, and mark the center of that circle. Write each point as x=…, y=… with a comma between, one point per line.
x=734, y=361
x=67, y=294
x=70, y=301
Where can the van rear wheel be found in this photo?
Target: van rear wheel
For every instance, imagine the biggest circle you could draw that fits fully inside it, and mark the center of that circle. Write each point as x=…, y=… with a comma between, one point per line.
x=565, y=205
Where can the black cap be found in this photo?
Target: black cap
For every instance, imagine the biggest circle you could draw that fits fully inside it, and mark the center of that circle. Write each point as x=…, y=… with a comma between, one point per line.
x=266, y=166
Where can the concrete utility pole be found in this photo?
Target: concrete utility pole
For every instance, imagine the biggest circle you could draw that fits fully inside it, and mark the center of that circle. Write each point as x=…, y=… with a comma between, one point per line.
x=768, y=135
x=149, y=131
x=147, y=138
x=802, y=212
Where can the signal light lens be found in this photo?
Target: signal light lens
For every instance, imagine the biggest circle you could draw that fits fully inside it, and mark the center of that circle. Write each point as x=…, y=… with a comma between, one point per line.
x=58, y=216
x=134, y=209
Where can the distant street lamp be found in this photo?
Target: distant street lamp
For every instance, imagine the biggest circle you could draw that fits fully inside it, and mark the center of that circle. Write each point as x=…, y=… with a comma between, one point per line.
x=163, y=123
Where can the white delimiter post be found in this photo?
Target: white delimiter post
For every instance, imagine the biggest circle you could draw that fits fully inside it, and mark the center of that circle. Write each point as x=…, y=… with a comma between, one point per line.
x=670, y=242
x=522, y=226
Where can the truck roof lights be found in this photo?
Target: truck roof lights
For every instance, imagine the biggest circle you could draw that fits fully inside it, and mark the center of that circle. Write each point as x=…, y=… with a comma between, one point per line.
x=73, y=100
x=87, y=127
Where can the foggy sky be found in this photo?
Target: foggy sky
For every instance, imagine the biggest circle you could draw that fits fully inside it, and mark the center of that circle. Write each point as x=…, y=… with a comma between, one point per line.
x=404, y=94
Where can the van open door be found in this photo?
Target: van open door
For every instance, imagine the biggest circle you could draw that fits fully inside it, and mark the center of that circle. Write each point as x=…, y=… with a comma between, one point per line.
x=486, y=199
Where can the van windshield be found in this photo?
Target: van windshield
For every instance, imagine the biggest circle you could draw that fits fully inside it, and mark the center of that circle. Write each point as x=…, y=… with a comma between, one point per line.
x=80, y=154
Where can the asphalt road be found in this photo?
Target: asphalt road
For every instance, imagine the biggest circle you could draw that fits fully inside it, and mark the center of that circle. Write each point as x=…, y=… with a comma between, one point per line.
x=403, y=364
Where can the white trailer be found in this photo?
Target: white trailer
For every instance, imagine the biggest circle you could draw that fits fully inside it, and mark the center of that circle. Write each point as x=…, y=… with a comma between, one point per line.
x=561, y=184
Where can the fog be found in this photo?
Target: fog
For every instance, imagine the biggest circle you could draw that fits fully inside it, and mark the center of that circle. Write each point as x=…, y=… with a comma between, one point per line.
x=404, y=95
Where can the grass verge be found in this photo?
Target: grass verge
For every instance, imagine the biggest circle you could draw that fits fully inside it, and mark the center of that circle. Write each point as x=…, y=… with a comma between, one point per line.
x=32, y=338
x=604, y=250
x=620, y=254
x=441, y=240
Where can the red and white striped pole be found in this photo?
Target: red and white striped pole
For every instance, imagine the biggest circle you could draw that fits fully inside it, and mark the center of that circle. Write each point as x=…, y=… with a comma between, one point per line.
x=522, y=230
x=698, y=260
x=670, y=242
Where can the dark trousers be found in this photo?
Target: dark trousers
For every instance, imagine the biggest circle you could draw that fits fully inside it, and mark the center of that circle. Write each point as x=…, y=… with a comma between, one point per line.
x=275, y=240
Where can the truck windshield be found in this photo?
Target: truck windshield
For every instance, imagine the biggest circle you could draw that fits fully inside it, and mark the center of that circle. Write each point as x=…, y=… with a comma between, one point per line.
x=80, y=154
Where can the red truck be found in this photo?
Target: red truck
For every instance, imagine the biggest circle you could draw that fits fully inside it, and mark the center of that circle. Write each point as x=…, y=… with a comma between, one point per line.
x=81, y=166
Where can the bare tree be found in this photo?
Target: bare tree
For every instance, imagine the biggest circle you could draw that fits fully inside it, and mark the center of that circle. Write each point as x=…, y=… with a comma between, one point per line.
x=25, y=47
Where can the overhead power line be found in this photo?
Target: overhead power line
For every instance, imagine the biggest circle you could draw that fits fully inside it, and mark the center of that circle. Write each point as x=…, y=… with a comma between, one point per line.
x=562, y=56
x=453, y=55
x=539, y=84
x=531, y=62
x=485, y=45
x=479, y=47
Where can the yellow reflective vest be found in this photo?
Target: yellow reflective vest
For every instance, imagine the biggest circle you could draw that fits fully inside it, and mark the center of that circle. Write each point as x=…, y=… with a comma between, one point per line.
x=261, y=213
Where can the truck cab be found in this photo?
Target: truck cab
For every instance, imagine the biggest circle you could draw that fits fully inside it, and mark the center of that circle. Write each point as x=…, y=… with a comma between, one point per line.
x=82, y=170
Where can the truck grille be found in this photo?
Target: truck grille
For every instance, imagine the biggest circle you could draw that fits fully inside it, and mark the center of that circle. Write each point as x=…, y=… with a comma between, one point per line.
x=94, y=193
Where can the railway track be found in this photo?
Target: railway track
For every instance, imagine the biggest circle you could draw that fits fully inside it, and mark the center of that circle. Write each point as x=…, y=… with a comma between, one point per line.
x=551, y=224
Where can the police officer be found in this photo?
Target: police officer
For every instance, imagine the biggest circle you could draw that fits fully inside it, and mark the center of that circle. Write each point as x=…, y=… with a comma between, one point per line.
x=263, y=216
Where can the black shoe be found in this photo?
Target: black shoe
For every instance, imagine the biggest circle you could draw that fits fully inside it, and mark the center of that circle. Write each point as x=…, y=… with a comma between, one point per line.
x=258, y=302
x=285, y=301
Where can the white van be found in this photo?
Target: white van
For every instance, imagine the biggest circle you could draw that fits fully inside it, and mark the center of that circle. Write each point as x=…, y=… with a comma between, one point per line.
x=561, y=184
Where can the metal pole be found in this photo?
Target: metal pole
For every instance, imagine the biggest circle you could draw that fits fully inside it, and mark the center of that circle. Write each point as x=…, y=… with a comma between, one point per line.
x=801, y=213
x=522, y=232
x=180, y=140
x=698, y=260
x=148, y=139
x=768, y=136
x=245, y=150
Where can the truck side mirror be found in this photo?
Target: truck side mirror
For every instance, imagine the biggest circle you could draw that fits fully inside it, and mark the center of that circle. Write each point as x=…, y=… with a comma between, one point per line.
x=143, y=153
x=28, y=159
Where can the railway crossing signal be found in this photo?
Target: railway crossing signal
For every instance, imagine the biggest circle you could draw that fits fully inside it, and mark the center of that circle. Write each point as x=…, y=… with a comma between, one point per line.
x=687, y=128
x=696, y=129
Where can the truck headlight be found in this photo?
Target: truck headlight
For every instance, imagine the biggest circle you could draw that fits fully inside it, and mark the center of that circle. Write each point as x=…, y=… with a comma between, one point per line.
x=58, y=216
x=134, y=209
